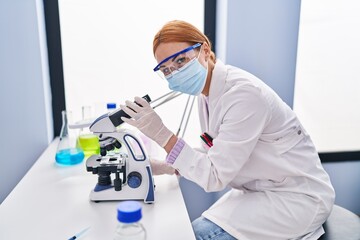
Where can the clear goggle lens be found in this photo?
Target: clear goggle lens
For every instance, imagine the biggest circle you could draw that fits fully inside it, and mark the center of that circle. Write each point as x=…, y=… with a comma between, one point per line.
x=177, y=63
x=169, y=71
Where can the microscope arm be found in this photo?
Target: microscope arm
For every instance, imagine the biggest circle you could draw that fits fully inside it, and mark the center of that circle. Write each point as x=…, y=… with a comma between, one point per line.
x=102, y=124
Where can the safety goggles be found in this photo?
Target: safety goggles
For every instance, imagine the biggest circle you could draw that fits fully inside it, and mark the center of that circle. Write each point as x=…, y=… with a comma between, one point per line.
x=177, y=61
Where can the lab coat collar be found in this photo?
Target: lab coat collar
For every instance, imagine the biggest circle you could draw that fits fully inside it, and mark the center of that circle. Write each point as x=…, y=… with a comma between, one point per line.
x=216, y=90
x=218, y=80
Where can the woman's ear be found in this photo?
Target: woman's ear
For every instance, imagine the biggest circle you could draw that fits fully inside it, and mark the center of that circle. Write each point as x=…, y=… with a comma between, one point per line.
x=206, y=50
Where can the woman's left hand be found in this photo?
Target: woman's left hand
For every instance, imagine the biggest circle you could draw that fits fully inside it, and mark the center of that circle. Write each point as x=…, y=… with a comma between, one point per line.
x=161, y=167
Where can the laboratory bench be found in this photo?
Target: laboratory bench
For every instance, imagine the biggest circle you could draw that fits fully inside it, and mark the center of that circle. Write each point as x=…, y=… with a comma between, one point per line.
x=52, y=202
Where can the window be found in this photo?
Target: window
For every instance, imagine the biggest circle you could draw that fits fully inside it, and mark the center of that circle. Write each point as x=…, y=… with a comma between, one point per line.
x=107, y=54
x=327, y=88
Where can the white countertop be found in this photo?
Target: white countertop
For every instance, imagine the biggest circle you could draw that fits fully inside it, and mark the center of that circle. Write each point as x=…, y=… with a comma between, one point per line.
x=52, y=202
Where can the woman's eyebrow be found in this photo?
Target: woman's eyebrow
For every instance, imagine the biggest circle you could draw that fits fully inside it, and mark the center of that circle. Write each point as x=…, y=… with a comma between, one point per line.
x=173, y=59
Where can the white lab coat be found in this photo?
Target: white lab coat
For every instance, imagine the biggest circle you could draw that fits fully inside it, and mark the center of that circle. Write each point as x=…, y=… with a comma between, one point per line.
x=279, y=190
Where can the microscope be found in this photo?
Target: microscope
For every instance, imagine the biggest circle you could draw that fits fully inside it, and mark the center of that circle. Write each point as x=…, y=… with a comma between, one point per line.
x=122, y=154
x=130, y=165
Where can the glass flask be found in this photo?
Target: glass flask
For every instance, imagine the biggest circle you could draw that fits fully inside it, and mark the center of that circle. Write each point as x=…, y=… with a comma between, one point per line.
x=87, y=141
x=67, y=153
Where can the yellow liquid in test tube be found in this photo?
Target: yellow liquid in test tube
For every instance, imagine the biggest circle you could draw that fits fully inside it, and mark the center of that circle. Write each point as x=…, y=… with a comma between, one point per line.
x=89, y=143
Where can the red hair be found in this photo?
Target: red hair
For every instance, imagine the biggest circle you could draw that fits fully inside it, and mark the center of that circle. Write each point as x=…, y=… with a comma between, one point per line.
x=180, y=31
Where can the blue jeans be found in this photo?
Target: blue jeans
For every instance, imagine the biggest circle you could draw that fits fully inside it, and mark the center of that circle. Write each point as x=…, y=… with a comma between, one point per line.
x=206, y=230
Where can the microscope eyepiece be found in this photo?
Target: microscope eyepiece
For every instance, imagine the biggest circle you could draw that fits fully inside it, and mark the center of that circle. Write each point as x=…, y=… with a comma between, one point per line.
x=115, y=117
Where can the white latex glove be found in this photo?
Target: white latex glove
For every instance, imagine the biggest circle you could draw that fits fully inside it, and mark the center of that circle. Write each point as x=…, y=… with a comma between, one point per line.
x=161, y=167
x=146, y=120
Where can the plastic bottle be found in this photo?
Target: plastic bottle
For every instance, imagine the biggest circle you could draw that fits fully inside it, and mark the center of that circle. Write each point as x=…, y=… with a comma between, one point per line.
x=129, y=226
x=110, y=108
x=67, y=153
x=87, y=141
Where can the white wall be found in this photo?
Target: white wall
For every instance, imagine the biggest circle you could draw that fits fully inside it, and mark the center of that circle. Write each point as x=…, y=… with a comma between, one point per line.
x=26, y=122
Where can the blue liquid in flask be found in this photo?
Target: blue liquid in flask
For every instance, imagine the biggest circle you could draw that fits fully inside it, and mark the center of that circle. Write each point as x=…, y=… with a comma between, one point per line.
x=69, y=156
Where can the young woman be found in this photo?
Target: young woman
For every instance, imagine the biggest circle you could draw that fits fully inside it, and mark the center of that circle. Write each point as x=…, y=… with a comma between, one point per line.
x=256, y=146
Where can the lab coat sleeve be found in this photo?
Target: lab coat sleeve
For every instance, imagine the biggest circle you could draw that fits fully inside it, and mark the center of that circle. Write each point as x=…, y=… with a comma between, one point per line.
x=242, y=117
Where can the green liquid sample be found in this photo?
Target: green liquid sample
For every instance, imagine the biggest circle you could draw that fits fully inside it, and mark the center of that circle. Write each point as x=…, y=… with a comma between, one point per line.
x=89, y=143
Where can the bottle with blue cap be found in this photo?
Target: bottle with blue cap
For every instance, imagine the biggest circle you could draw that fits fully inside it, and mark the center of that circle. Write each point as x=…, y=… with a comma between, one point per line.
x=129, y=226
x=110, y=107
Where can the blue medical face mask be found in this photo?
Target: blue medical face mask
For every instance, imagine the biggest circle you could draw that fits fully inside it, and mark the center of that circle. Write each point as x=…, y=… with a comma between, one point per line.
x=190, y=79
